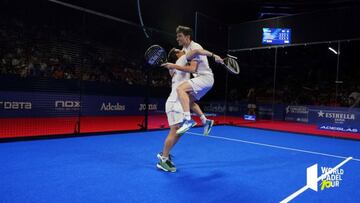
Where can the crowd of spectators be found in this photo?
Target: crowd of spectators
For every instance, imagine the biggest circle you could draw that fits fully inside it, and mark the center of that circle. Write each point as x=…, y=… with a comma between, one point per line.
x=33, y=51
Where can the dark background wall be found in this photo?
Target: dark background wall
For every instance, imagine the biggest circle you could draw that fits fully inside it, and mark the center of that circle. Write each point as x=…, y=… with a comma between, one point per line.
x=321, y=26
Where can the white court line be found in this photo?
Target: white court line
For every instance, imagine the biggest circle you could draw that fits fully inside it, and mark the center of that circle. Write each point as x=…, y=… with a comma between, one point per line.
x=303, y=189
x=274, y=146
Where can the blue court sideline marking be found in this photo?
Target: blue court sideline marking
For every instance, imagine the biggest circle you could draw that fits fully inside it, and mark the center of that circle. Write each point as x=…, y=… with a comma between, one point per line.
x=274, y=146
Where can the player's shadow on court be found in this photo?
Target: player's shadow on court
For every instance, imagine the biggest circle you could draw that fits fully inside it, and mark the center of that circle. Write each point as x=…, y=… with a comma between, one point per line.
x=213, y=175
x=210, y=165
x=202, y=183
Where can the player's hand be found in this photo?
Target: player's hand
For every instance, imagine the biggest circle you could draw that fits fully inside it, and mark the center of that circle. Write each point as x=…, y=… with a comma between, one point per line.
x=168, y=65
x=218, y=59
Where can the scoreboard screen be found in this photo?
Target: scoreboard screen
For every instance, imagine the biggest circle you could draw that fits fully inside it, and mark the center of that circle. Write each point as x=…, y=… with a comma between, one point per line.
x=276, y=36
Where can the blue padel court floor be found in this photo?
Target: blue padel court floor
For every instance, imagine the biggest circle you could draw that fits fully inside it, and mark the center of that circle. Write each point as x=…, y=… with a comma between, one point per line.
x=232, y=164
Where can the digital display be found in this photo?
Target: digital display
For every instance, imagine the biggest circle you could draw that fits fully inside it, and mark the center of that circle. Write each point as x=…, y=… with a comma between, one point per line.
x=250, y=117
x=276, y=36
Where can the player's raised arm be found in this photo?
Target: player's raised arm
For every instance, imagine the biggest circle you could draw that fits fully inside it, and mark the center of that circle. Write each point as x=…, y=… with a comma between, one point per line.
x=190, y=68
x=196, y=52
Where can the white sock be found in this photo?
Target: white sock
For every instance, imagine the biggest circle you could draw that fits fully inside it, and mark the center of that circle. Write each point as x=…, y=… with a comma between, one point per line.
x=187, y=115
x=164, y=158
x=203, y=119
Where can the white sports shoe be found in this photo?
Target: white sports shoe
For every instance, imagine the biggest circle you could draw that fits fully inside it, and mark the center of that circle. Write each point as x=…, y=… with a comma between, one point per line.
x=187, y=124
x=207, y=126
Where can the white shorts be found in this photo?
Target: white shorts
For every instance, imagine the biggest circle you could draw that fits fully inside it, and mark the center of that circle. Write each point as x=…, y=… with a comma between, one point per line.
x=174, y=112
x=201, y=85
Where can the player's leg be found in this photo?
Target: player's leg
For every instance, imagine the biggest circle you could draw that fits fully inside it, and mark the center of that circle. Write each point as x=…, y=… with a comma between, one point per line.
x=183, y=91
x=170, y=141
x=183, y=94
x=175, y=116
x=165, y=163
x=207, y=123
x=197, y=87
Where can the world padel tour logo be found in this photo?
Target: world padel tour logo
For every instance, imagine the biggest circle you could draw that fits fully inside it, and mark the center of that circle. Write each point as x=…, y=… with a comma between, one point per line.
x=331, y=180
x=330, y=177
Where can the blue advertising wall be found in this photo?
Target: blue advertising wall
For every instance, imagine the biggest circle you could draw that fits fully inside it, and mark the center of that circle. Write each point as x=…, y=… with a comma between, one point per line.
x=40, y=104
x=326, y=118
x=30, y=104
x=297, y=113
x=337, y=119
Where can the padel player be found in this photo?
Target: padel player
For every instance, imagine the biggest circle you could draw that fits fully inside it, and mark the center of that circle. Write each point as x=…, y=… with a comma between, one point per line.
x=197, y=87
x=180, y=73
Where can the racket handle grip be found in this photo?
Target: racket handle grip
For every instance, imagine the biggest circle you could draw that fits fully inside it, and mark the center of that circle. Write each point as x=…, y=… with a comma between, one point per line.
x=234, y=57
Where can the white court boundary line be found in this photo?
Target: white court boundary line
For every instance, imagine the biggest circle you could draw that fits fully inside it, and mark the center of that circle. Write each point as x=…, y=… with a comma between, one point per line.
x=303, y=189
x=274, y=146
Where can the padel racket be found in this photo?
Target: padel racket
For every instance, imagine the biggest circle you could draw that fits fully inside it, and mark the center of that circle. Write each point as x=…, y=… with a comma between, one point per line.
x=155, y=56
x=231, y=64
